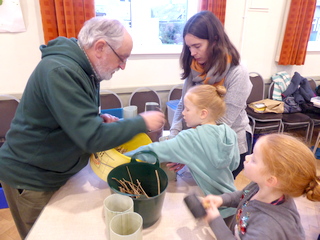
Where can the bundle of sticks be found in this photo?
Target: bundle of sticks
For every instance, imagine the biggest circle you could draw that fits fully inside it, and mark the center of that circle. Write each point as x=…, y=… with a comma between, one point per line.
x=121, y=150
x=130, y=187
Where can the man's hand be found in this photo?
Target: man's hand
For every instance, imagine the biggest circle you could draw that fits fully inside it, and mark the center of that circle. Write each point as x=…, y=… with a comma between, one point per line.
x=107, y=118
x=154, y=120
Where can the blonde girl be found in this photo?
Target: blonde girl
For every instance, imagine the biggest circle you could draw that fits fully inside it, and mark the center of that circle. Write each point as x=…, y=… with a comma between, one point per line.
x=210, y=150
x=209, y=57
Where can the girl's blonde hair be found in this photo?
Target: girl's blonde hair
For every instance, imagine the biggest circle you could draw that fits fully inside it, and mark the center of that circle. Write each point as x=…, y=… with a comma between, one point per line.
x=294, y=165
x=208, y=97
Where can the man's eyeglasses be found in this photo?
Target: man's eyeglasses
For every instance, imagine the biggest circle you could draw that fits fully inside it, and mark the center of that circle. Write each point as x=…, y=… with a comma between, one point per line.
x=122, y=61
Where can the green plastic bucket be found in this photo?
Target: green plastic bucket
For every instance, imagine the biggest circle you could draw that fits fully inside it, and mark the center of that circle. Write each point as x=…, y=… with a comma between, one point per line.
x=153, y=184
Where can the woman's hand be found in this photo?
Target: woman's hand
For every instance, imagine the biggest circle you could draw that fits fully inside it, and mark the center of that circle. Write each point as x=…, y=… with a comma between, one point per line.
x=174, y=132
x=107, y=118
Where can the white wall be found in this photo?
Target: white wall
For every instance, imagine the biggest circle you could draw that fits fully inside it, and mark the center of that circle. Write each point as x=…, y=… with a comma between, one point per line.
x=19, y=52
x=255, y=33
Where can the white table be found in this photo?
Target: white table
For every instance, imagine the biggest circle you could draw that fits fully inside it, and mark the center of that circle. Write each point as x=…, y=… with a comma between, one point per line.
x=76, y=212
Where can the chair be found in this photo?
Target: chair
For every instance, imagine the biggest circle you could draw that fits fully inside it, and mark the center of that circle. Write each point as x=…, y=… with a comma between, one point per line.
x=139, y=98
x=173, y=100
x=261, y=122
x=8, y=106
x=175, y=92
x=109, y=99
x=293, y=120
x=142, y=95
x=315, y=147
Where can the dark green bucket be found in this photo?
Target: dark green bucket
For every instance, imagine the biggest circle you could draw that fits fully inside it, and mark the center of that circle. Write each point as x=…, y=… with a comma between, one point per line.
x=149, y=208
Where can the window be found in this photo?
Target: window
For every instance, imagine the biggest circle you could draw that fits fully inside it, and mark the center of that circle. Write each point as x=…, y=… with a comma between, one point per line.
x=314, y=40
x=155, y=25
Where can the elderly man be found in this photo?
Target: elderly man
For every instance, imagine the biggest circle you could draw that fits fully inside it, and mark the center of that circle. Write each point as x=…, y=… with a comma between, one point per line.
x=57, y=124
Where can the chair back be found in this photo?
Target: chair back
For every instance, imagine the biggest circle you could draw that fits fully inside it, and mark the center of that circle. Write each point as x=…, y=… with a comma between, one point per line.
x=8, y=107
x=270, y=90
x=313, y=84
x=175, y=92
x=109, y=99
x=257, y=92
x=142, y=95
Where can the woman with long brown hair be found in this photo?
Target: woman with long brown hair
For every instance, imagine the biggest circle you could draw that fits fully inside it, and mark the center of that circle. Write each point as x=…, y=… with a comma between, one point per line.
x=209, y=57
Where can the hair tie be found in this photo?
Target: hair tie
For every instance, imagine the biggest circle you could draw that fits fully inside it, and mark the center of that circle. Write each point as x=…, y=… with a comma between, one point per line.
x=219, y=91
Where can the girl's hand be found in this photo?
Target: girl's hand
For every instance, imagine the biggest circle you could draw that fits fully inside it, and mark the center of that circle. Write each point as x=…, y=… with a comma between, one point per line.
x=107, y=118
x=212, y=213
x=175, y=166
x=211, y=204
x=212, y=199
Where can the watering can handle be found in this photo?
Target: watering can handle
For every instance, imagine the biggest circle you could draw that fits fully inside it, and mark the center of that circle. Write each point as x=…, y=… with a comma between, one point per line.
x=133, y=158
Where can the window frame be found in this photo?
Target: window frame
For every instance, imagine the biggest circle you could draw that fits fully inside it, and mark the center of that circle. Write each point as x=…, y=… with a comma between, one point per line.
x=314, y=46
x=140, y=46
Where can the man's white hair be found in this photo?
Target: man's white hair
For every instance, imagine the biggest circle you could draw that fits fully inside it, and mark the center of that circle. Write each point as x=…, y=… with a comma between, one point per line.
x=111, y=30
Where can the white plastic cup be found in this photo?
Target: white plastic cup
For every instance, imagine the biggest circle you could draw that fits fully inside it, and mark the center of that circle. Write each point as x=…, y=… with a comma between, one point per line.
x=114, y=205
x=130, y=111
x=126, y=226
